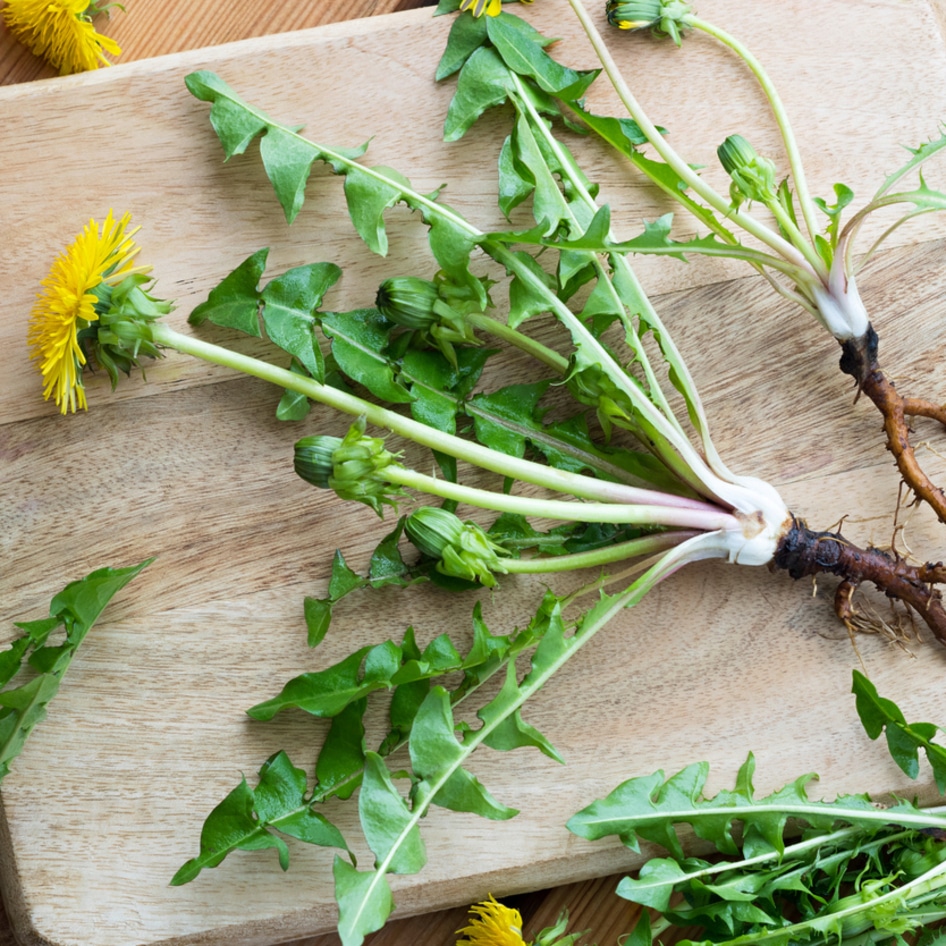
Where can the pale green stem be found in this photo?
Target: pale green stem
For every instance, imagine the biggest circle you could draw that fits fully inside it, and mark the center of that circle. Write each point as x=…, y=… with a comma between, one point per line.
x=712, y=520
x=645, y=545
x=574, y=484
x=807, y=205
x=524, y=343
x=712, y=197
x=620, y=261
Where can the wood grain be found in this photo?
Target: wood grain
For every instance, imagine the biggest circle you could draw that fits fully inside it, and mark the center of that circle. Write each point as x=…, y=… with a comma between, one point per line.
x=192, y=467
x=157, y=27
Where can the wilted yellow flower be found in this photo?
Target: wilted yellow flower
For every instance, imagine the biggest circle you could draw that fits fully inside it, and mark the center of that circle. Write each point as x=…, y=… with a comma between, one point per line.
x=60, y=31
x=492, y=925
x=67, y=305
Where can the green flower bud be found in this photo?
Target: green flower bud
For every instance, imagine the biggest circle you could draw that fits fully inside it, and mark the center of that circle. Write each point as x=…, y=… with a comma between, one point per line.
x=408, y=301
x=313, y=459
x=663, y=17
x=434, y=310
x=353, y=467
x=464, y=550
x=753, y=177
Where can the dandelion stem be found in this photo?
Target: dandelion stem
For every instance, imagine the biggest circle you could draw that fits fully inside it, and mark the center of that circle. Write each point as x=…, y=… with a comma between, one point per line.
x=573, y=484
x=710, y=520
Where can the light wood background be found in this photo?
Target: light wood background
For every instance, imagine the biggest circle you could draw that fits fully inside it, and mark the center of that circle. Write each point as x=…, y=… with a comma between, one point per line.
x=768, y=648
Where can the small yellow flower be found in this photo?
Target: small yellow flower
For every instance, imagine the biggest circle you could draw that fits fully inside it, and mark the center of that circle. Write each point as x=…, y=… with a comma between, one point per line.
x=489, y=7
x=67, y=305
x=493, y=925
x=60, y=31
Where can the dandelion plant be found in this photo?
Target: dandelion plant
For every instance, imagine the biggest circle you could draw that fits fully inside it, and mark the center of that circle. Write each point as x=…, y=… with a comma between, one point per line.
x=620, y=484
x=806, y=250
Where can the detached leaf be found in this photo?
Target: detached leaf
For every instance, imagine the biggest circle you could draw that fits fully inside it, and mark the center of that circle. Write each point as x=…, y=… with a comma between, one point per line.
x=76, y=608
x=904, y=740
x=235, y=302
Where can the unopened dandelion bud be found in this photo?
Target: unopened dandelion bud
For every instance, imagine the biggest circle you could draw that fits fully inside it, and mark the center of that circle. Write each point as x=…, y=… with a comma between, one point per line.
x=353, y=467
x=313, y=459
x=464, y=550
x=753, y=177
x=408, y=301
x=663, y=17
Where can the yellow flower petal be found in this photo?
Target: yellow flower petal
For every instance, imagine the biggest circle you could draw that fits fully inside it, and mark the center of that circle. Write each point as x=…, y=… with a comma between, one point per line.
x=67, y=304
x=492, y=925
x=60, y=31
x=479, y=7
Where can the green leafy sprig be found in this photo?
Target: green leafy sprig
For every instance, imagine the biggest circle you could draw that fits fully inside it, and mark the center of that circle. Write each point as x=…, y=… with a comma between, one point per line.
x=41, y=655
x=857, y=873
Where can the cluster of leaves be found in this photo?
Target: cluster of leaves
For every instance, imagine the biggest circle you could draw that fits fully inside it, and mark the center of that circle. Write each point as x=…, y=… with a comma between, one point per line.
x=41, y=654
x=797, y=870
x=421, y=717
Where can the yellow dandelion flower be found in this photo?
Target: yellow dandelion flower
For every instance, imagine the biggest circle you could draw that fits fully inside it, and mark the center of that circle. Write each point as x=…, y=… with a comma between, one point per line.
x=60, y=31
x=489, y=7
x=492, y=925
x=67, y=305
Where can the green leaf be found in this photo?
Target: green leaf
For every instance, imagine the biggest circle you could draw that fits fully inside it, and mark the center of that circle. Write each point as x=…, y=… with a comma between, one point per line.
x=327, y=692
x=235, y=124
x=388, y=825
x=341, y=759
x=358, y=342
x=289, y=305
x=76, y=608
x=521, y=48
x=364, y=902
x=904, y=740
x=369, y=195
x=511, y=731
x=497, y=416
x=484, y=82
x=436, y=757
x=235, y=302
x=654, y=885
x=293, y=405
x=288, y=160
x=248, y=820
x=467, y=34
x=649, y=807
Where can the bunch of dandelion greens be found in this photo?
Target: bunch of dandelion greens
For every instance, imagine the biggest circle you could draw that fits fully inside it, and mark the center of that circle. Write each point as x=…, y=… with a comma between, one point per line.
x=808, y=256
x=633, y=514
x=858, y=873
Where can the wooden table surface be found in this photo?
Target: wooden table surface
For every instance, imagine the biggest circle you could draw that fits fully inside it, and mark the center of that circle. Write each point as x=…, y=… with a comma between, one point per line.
x=151, y=28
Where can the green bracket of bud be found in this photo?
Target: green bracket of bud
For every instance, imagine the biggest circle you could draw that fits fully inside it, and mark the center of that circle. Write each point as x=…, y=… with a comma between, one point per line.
x=353, y=467
x=463, y=549
x=662, y=17
x=753, y=177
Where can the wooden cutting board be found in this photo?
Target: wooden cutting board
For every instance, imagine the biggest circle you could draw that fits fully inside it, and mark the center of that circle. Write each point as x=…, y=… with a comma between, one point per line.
x=149, y=733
